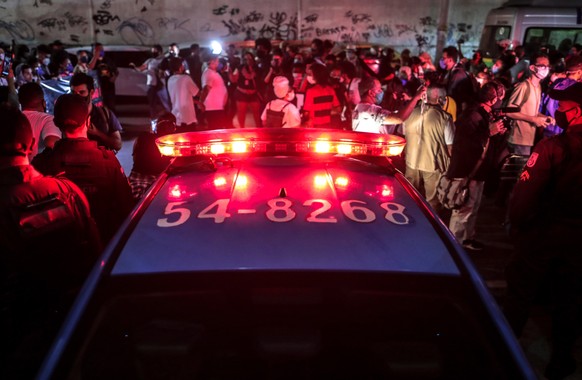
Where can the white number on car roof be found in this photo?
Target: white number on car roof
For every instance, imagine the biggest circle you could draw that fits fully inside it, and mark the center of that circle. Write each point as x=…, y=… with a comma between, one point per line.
x=280, y=211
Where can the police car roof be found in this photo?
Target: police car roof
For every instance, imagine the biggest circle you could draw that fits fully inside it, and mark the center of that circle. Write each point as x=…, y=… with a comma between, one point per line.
x=284, y=212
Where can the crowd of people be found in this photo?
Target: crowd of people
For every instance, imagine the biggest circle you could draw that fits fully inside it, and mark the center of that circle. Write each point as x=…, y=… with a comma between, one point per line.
x=461, y=118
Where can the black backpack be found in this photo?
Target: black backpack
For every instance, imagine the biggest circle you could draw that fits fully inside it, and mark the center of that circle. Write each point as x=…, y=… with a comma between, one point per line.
x=275, y=118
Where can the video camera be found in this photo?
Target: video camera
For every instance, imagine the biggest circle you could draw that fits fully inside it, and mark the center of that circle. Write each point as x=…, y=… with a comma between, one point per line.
x=501, y=114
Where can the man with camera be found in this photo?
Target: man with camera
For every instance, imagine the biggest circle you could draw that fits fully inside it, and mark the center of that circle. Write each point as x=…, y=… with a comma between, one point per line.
x=474, y=128
x=8, y=93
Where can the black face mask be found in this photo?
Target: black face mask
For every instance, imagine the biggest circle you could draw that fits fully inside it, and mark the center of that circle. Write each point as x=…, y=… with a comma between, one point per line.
x=154, y=54
x=84, y=59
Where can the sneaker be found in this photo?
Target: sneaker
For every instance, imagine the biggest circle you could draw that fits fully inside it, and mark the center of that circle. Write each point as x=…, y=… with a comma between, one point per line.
x=473, y=245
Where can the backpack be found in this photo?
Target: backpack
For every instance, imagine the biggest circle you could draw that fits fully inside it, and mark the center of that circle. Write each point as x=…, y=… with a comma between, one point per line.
x=275, y=118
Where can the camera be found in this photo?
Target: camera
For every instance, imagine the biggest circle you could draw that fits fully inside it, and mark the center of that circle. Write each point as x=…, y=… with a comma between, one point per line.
x=7, y=64
x=501, y=114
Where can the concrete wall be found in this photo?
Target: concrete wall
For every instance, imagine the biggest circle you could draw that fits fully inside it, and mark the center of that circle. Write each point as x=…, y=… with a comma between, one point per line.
x=402, y=23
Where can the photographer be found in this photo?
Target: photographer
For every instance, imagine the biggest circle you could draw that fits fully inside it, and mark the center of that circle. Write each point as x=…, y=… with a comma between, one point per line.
x=276, y=70
x=474, y=129
x=8, y=93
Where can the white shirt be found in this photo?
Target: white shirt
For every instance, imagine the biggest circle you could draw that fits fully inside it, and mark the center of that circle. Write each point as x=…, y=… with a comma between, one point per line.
x=152, y=70
x=291, y=118
x=42, y=126
x=182, y=88
x=216, y=98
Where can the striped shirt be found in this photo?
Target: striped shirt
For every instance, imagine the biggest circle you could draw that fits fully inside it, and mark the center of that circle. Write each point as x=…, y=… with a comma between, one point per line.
x=319, y=102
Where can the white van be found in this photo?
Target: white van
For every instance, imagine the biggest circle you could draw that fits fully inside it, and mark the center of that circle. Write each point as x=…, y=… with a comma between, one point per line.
x=532, y=27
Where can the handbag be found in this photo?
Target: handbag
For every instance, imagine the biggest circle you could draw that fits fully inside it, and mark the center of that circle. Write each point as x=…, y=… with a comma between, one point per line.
x=453, y=193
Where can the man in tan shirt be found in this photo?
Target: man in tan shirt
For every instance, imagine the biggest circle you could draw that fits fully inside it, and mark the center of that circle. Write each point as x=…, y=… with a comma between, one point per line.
x=527, y=95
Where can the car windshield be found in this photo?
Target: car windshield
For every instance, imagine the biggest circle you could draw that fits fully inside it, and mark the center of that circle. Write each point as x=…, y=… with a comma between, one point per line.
x=289, y=325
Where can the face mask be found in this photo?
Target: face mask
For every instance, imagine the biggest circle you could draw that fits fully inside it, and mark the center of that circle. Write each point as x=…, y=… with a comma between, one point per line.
x=84, y=59
x=154, y=54
x=442, y=64
x=379, y=97
x=101, y=54
x=46, y=61
x=310, y=79
x=69, y=67
x=542, y=72
x=334, y=80
x=495, y=69
x=297, y=75
x=275, y=63
x=2, y=56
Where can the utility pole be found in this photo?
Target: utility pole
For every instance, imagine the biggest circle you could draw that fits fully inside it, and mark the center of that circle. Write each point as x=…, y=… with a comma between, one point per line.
x=442, y=29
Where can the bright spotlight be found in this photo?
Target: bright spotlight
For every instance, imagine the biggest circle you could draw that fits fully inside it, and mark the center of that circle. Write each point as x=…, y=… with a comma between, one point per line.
x=216, y=47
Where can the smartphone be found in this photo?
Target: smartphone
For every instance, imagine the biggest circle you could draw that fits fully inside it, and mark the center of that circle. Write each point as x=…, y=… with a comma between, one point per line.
x=7, y=65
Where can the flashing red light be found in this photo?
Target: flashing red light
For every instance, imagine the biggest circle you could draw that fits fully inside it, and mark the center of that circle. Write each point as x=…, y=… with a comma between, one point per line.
x=341, y=182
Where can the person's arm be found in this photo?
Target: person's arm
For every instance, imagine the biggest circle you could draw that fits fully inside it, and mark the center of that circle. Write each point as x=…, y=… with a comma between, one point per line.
x=529, y=190
x=96, y=54
x=204, y=93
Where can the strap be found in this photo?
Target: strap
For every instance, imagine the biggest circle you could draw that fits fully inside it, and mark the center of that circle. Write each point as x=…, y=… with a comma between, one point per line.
x=478, y=164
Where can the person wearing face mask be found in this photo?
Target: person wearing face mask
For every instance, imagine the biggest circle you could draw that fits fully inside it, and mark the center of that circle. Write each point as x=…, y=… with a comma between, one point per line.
x=104, y=127
x=84, y=64
x=157, y=103
x=460, y=85
x=321, y=101
x=369, y=117
x=527, y=95
x=546, y=219
x=573, y=75
x=43, y=55
x=277, y=69
x=474, y=129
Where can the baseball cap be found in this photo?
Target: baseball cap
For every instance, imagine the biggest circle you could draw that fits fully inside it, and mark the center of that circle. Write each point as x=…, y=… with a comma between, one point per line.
x=15, y=134
x=71, y=111
x=280, y=86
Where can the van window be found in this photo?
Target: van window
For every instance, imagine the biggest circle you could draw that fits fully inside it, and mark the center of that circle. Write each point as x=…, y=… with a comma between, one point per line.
x=560, y=39
x=491, y=35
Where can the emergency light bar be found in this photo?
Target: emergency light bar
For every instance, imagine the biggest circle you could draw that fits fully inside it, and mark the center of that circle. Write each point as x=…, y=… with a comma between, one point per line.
x=279, y=141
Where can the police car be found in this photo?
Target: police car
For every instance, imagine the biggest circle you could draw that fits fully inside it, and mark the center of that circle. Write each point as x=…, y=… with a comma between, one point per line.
x=284, y=253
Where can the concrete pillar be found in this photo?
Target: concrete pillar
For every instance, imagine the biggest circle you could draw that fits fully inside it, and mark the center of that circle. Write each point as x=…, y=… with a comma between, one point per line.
x=442, y=29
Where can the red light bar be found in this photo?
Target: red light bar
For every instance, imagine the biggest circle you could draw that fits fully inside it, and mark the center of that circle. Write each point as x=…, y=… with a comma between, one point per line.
x=279, y=141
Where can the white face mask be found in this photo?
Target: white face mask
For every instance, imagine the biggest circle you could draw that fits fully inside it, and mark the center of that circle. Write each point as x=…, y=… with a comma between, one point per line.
x=542, y=72
x=46, y=61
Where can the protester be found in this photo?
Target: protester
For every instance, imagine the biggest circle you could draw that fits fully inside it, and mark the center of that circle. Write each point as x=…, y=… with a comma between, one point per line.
x=474, y=127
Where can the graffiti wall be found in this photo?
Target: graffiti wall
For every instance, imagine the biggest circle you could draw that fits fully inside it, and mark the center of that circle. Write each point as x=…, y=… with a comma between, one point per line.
x=398, y=23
